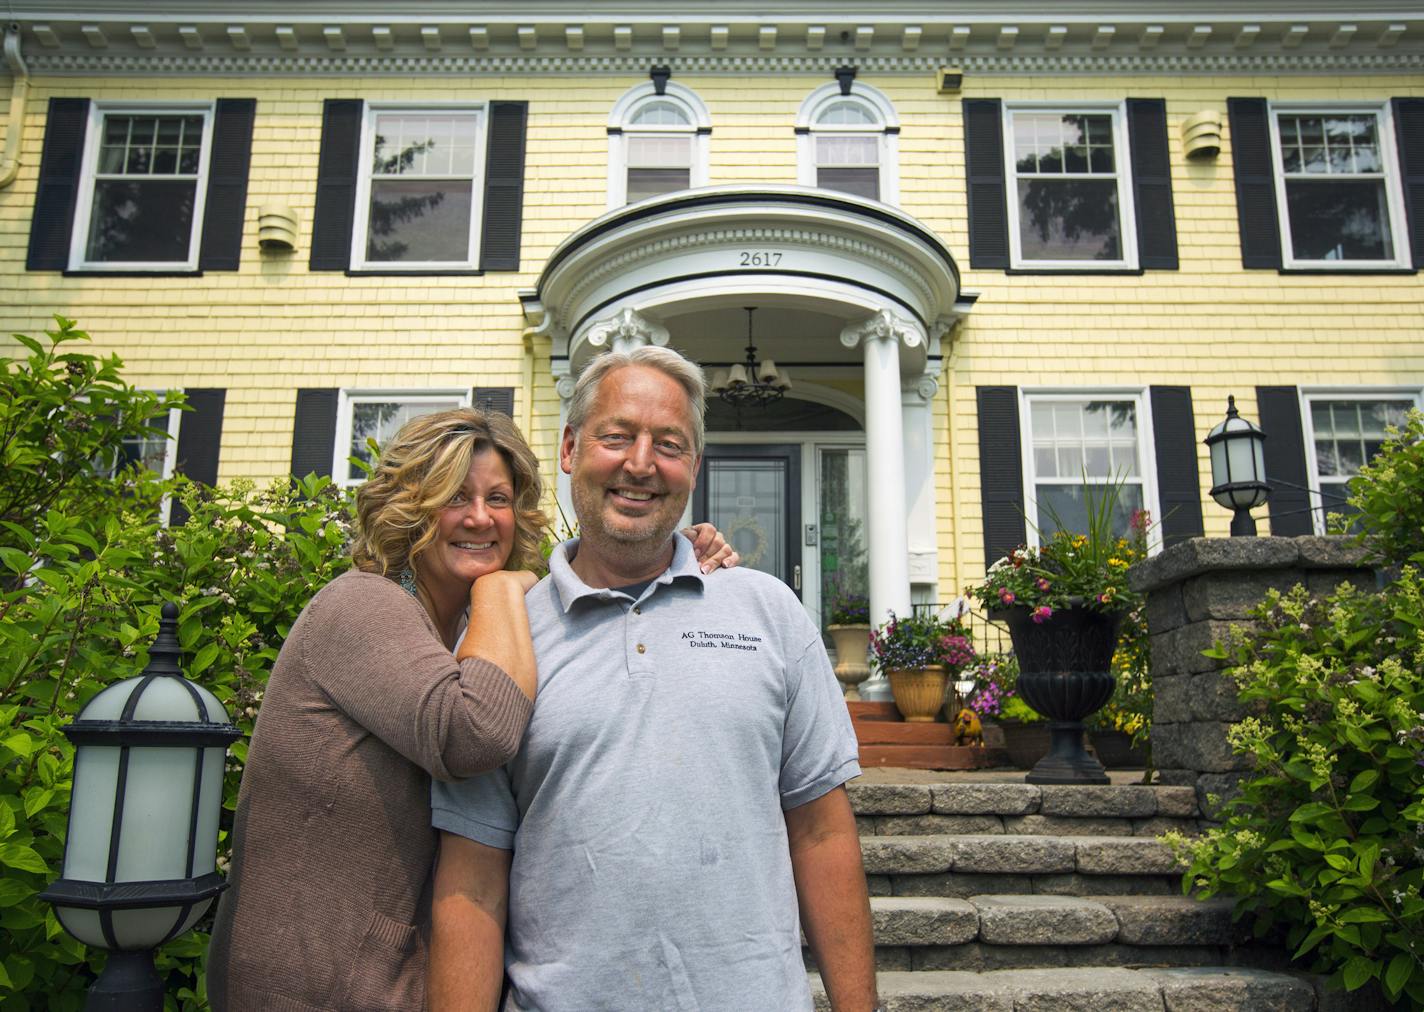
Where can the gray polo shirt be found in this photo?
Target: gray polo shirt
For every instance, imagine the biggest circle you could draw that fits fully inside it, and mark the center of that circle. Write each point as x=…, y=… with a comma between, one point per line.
x=650, y=867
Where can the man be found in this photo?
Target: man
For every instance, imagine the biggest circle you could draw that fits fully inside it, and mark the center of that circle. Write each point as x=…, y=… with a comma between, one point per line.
x=679, y=790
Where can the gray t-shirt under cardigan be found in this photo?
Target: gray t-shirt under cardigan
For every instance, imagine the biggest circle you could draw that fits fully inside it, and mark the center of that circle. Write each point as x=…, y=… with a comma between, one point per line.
x=644, y=808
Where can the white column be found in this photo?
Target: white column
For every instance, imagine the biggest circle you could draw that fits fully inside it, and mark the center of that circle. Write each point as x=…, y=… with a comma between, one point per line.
x=917, y=412
x=879, y=338
x=564, y=386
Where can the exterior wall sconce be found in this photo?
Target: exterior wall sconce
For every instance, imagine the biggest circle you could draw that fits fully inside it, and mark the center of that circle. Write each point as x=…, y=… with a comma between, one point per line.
x=140, y=854
x=1201, y=135
x=1238, y=469
x=948, y=80
x=276, y=229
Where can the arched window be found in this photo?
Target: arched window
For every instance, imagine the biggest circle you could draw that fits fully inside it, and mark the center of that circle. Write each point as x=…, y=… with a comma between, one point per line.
x=849, y=142
x=656, y=143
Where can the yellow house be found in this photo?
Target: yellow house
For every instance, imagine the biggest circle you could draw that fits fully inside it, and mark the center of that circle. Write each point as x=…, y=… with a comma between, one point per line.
x=997, y=250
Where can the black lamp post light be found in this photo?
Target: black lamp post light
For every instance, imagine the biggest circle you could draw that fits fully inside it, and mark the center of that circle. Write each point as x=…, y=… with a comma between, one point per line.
x=1238, y=469
x=140, y=855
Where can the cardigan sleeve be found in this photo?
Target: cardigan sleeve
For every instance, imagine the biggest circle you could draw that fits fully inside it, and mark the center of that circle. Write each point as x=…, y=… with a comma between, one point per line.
x=370, y=648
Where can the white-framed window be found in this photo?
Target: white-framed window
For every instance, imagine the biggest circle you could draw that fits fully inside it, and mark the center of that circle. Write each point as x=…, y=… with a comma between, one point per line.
x=1337, y=186
x=156, y=451
x=1344, y=428
x=1069, y=191
x=420, y=187
x=849, y=143
x=1080, y=438
x=378, y=415
x=144, y=180
x=656, y=143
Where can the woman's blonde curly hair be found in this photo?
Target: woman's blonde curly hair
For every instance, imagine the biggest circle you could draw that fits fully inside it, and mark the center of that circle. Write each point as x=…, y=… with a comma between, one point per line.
x=420, y=470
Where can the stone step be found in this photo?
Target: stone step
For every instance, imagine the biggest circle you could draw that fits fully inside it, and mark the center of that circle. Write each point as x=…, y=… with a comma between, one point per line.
x=1008, y=854
x=1051, y=920
x=1130, y=802
x=1094, y=989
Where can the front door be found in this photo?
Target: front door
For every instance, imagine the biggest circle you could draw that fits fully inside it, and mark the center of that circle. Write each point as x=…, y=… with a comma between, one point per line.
x=753, y=495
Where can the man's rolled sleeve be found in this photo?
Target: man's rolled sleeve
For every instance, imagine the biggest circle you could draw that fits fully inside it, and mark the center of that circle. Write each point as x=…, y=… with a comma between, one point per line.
x=481, y=808
x=819, y=750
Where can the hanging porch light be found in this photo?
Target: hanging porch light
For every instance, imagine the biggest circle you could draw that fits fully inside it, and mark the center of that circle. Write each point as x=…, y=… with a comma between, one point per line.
x=751, y=383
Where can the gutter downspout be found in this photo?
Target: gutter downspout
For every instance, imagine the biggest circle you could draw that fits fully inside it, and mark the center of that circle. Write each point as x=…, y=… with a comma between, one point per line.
x=19, y=94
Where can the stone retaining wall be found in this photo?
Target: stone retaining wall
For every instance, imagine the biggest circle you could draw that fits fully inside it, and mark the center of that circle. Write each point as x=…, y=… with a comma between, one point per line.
x=1196, y=591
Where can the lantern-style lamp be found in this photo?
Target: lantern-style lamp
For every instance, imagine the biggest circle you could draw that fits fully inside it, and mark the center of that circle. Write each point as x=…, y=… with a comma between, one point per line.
x=140, y=856
x=1238, y=468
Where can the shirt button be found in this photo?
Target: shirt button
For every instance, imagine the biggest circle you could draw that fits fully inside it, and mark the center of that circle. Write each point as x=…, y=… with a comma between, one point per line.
x=642, y=649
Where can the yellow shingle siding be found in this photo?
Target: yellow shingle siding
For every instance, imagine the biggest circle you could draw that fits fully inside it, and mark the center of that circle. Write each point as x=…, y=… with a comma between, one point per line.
x=273, y=325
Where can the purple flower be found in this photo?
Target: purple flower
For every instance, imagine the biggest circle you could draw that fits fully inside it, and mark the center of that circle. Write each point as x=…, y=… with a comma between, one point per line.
x=1043, y=584
x=1006, y=595
x=1042, y=613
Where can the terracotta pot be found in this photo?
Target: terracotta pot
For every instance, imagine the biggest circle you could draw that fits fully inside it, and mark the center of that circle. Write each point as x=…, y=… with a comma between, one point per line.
x=852, y=646
x=919, y=692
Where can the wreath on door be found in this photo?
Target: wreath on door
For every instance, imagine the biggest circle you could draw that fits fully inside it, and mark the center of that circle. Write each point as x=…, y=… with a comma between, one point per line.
x=749, y=524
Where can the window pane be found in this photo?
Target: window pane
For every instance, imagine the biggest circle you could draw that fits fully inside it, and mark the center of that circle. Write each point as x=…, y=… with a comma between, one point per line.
x=424, y=144
x=645, y=183
x=1065, y=219
x=847, y=150
x=846, y=114
x=862, y=182
x=659, y=114
x=1348, y=433
x=380, y=420
x=1339, y=219
x=1065, y=507
x=149, y=221
x=659, y=151
x=415, y=221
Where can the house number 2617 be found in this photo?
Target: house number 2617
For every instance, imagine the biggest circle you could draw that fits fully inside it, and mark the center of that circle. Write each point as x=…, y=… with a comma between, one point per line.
x=759, y=258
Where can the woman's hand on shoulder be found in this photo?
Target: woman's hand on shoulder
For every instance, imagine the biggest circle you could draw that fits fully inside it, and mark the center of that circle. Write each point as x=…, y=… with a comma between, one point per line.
x=710, y=548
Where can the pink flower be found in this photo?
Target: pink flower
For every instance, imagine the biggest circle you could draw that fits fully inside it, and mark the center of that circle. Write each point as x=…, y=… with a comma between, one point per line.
x=1042, y=613
x=1043, y=584
x=1006, y=595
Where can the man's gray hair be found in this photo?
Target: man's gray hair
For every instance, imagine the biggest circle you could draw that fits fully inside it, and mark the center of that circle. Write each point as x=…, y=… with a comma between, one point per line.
x=666, y=361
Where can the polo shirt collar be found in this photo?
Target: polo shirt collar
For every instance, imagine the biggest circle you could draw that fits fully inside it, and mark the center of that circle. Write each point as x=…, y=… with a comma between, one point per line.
x=570, y=588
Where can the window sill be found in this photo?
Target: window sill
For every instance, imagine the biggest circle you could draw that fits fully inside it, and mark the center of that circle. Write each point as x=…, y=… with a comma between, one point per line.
x=457, y=272
x=1313, y=271
x=157, y=272
x=1071, y=271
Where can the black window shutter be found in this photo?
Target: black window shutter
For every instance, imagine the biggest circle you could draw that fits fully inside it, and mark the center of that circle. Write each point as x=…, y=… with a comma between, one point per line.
x=1178, y=481
x=1279, y=408
x=499, y=399
x=1000, y=472
x=1152, y=184
x=1255, y=182
x=199, y=440
x=53, y=218
x=226, y=204
x=314, y=432
x=335, y=211
x=1409, y=138
x=984, y=161
x=504, y=187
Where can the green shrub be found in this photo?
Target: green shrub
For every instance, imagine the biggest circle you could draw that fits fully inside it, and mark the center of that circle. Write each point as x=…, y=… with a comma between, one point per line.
x=1326, y=840
x=84, y=569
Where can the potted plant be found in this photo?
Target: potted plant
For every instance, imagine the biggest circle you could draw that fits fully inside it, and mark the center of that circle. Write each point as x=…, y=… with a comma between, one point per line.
x=849, y=627
x=1009, y=723
x=919, y=655
x=1121, y=730
x=1063, y=601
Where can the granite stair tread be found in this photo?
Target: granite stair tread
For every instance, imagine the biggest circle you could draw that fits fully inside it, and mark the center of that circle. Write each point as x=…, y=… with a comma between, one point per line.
x=1092, y=989
x=1012, y=854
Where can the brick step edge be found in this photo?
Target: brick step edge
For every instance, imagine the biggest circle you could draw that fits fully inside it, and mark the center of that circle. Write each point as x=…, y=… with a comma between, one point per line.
x=1117, y=988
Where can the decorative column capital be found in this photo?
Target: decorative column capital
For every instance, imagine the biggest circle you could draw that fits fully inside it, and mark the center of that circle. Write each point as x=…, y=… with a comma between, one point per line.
x=564, y=387
x=883, y=326
x=922, y=388
x=626, y=328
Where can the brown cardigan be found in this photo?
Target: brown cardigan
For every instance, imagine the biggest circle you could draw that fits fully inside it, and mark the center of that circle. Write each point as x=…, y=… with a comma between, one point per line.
x=329, y=904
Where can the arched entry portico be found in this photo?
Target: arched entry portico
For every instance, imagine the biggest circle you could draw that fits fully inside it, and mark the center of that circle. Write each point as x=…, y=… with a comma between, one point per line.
x=851, y=294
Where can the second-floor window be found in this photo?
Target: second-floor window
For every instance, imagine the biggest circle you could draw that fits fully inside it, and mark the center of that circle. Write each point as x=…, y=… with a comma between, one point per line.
x=145, y=180
x=656, y=143
x=849, y=142
x=1337, y=189
x=418, y=202
x=1069, y=192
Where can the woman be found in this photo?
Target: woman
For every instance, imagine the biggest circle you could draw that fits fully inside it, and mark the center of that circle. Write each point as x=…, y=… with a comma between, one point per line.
x=329, y=902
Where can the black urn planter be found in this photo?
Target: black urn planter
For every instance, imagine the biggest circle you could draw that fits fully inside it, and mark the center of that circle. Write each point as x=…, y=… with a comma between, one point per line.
x=1065, y=665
